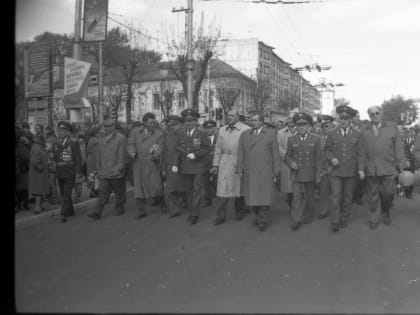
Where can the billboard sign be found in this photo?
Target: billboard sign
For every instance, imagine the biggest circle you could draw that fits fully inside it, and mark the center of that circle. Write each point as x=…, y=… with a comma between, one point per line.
x=95, y=20
x=37, y=73
x=76, y=78
x=40, y=103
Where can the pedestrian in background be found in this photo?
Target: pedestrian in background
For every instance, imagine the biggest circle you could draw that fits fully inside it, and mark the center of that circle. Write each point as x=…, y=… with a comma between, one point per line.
x=38, y=173
x=91, y=158
x=145, y=146
x=416, y=148
x=110, y=169
x=258, y=165
x=22, y=156
x=194, y=146
x=78, y=186
x=68, y=165
x=408, y=138
x=224, y=167
x=384, y=156
x=54, y=195
x=304, y=157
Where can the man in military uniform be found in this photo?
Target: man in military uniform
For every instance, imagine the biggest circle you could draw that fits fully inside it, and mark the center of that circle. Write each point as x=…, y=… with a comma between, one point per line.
x=67, y=157
x=194, y=147
x=110, y=169
x=344, y=152
x=324, y=185
x=210, y=180
x=224, y=165
x=304, y=157
x=176, y=183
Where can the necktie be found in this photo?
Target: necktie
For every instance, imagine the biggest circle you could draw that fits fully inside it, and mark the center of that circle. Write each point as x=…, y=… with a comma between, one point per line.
x=375, y=130
x=302, y=138
x=344, y=132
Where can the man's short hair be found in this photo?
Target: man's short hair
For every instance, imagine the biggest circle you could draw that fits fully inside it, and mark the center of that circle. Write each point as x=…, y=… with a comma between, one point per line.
x=148, y=116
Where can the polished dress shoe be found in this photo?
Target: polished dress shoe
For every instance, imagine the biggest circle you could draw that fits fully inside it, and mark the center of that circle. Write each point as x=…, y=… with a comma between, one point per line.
x=175, y=214
x=334, y=227
x=140, y=216
x=373, y=225
x=322, y=216
x=218, y=220
x=193, y=220
x=94, y=215
x=295, y=226
x=386, y=219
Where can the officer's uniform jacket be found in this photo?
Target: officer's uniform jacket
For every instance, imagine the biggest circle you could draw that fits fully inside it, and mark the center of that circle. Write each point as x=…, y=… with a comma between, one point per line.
x=67, y=157
x=307, y=155
x=383, y=153
x=348, y=150
x=198, y=144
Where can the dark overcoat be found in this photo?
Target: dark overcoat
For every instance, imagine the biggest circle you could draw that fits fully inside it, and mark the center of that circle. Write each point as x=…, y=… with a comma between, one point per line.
x=198, y=144
x=23, y=153
x=259, y=162
x=38, y=171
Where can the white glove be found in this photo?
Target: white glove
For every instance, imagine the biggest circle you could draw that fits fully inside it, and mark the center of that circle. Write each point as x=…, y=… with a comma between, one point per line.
x=335, y=162
x=191, y=156
x=174, y=169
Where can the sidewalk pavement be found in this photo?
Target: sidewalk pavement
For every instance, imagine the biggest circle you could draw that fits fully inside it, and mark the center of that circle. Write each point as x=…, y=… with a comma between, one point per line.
x=28, y=217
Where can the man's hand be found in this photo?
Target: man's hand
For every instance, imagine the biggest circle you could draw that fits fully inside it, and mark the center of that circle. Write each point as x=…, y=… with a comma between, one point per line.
x=293, y=165
x=334, y=162
x=174, y=169
x=214, y=169
x=361, y=175
x=317, y=180
x=274, y=179
x=191, y=156
x=408, y=164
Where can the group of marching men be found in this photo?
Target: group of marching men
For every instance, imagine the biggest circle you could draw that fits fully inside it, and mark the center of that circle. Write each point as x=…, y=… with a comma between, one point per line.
x=182, y=164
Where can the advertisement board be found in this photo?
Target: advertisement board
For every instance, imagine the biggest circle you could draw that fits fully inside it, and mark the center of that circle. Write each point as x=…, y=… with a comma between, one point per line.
x=76, y=78
x=95, y=20
x=37, y=70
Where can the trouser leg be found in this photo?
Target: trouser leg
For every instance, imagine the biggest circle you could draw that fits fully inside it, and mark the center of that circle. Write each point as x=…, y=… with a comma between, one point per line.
x=66, y=189
x=386, y=191
x=104, y=191
x=263, y=214
x=309, y=200
x=336, y=189
x=324, y=195
x=141, y=205
x=221, y=205
x=373, y=183
x=194, y=194
x=119, y=188
x=298, y=202
x=290, y=199
x=172, y=203
x=78, y=187
x=347, y=198
x=240, y=204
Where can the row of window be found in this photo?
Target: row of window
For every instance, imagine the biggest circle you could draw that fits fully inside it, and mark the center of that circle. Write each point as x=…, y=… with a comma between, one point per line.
x=156, y=100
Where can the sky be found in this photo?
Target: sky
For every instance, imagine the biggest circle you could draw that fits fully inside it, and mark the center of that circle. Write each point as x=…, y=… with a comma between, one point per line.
x=372, y=46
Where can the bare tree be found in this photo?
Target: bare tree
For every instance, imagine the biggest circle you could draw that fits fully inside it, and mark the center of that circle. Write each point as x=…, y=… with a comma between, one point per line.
x=261, y=96
x=165, y=99
x=204, y=47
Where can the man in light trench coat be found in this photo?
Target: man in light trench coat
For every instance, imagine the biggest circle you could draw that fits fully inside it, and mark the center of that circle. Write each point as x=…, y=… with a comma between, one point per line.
x=224, y=164
x=258, y=166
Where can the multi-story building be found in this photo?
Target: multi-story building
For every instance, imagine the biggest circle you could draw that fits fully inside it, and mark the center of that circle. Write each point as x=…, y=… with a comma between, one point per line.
x=257, y=59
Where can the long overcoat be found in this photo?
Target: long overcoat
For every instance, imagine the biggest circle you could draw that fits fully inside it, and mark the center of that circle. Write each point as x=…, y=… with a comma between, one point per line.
x=286, y=185
x=23, y=153
x=171, y=157
x=384, y=154
x=146, y=166
x=226, y=158
x=259, y=162
x=38, y=171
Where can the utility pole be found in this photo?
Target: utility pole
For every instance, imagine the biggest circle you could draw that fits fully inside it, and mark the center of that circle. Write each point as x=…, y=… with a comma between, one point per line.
x=190, y=61
x=100, y=86
x=77, y=51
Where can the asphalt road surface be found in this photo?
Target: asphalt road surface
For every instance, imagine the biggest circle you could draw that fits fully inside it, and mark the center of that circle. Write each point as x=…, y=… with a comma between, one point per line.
x=159, y=264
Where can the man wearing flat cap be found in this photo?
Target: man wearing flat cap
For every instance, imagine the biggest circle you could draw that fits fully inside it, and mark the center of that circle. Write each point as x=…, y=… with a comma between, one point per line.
x=210, y=180
x=110, y=169
x=67, y=157
x=344, y=152
x=176, y=183
x=304, y=157
x=194, y=147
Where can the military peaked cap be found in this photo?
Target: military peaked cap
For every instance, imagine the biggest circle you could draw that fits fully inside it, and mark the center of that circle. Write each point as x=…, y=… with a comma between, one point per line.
x=209, y=124
x=173, y=118
x=302, y=117
x=189, y=112
x=65, y=125
x=345, y=111
x=326, y=119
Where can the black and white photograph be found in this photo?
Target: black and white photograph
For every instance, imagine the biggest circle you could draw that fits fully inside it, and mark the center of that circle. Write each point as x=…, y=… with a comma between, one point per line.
x=217, y=156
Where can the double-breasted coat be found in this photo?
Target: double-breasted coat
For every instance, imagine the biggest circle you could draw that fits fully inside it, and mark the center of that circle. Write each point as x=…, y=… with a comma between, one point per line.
x=286, y=182
x=307, y=155
x=198, y=144
x=226, y=158
x=383, y=153
x=147, y=164
x=38, y=171
x=171, y=157
x=259, y=162
x=348, y=150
